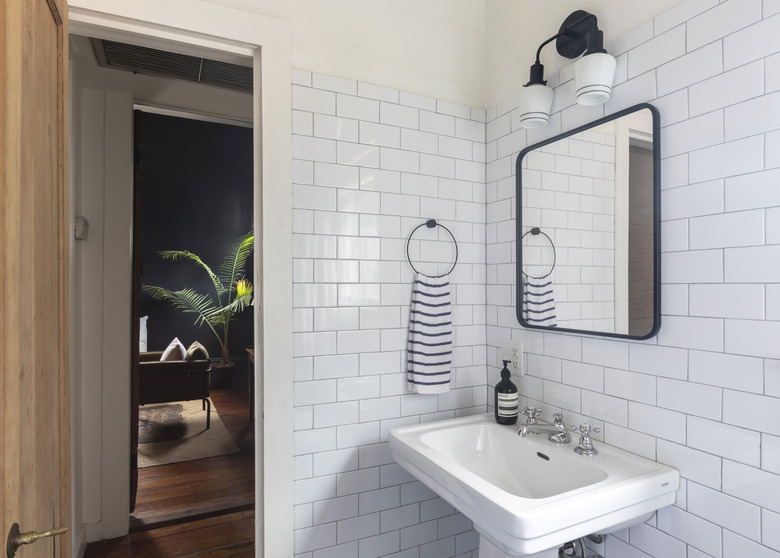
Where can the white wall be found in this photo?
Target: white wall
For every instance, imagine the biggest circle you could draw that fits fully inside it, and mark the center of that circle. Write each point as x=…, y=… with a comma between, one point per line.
x=369, y=165
x=704, y=395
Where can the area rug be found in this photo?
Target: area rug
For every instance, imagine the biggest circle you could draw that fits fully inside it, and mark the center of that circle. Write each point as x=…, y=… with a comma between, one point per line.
x=176, y=432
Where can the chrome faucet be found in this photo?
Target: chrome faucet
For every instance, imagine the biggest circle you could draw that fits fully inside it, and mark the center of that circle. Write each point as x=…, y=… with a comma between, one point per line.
x=556, y=432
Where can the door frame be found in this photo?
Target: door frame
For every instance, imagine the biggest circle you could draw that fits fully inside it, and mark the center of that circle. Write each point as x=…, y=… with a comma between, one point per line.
x=268, y=42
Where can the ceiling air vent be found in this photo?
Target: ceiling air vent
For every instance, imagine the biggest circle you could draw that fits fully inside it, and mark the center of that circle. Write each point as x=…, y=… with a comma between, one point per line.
x=153, y=62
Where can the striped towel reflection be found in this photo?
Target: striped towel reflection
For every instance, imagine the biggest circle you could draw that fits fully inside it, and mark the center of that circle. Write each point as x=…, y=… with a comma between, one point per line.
x=539, y=302
x=429, y=351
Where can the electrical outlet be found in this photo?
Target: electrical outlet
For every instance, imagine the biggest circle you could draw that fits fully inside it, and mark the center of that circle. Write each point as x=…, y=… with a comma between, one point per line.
x=512, y=350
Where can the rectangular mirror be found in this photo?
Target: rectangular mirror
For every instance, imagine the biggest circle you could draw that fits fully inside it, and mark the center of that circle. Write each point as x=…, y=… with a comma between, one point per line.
x=588, y=228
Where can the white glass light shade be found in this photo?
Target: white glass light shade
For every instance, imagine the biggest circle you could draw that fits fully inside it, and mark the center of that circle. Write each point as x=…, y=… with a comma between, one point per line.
x=593, y=76
x=535, y=102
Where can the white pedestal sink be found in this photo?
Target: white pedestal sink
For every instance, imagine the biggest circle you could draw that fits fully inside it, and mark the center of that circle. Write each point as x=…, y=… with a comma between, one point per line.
x=528, y=495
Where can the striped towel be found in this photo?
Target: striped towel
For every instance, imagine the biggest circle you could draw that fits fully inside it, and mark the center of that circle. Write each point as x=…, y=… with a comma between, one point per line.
x=538, y=302
x=429, y=351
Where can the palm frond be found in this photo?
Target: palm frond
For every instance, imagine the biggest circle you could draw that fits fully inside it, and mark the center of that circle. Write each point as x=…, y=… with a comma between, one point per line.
x=188, y=301
x=235, y=259
x=174, y=255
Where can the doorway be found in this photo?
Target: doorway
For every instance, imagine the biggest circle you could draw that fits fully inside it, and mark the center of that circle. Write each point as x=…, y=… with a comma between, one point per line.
x=267, y=40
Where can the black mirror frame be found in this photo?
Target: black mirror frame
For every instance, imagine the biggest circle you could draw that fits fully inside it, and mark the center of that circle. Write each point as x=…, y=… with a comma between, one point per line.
x=656, y=223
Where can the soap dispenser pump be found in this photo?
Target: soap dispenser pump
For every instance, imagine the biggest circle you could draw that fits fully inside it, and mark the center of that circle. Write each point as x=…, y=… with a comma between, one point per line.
x=506, y=402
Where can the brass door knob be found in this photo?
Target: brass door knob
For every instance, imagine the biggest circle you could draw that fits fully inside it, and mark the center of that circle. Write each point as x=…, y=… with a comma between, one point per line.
x=17, y=538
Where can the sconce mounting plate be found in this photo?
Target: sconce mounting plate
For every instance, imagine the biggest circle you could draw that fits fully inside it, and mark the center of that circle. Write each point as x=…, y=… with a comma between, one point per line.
x=573, y=34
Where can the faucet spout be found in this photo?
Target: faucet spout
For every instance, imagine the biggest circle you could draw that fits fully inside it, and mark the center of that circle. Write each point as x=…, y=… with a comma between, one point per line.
x=556, y=431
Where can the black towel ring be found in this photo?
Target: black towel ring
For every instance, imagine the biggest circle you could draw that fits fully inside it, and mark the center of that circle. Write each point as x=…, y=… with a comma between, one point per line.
x=430, y=223
x=536, y=231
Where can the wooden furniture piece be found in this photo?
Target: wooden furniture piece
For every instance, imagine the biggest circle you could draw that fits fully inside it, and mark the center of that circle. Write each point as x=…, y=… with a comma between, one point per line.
x=173, y=380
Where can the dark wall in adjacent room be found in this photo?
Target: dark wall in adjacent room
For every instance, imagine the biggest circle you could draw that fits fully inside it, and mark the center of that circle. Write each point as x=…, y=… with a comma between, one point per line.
x=197, y=196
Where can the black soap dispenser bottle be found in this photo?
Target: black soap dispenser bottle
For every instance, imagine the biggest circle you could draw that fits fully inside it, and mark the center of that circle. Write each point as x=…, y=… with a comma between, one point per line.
x=506, y=403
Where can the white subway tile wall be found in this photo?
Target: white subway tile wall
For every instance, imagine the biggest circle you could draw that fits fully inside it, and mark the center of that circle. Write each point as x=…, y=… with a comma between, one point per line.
x=704, y=395
x=371, y=164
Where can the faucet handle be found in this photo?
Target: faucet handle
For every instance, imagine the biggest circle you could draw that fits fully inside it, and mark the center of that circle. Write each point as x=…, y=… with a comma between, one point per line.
x=532, y=413
x=558, y=418
x=585, y=429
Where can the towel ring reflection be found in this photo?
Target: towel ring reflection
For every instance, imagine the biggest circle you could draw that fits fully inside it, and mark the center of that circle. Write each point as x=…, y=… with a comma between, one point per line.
x=431, y=223
x=536, y=231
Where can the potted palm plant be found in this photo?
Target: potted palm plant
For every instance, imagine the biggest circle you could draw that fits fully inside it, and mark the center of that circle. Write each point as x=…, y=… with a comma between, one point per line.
x=232, y=294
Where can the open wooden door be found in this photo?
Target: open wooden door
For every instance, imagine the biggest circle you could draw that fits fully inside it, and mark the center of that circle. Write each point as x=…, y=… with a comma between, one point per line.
x=34, y=274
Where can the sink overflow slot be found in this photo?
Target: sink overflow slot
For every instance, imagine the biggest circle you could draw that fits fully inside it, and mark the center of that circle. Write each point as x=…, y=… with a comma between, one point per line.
x=540, y=454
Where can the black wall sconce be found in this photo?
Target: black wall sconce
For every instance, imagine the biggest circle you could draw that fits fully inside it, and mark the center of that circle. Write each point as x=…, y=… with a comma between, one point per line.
x=593, y=73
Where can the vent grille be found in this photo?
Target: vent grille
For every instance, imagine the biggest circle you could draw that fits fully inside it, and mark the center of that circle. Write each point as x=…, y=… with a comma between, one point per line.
x=150, y=61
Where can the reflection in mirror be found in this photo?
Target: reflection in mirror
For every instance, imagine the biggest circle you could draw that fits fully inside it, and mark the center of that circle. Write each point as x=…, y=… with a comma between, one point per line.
x=588, y=228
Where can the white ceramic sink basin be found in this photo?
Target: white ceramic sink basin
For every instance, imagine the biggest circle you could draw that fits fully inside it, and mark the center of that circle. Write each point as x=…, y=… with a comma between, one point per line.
x=527, y=495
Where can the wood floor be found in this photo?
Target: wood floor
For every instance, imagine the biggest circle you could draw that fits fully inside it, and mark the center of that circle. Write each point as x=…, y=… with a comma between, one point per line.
x=198, y=508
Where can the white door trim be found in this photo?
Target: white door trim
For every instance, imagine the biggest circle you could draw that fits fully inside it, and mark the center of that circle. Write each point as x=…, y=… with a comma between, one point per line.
x=267, y=40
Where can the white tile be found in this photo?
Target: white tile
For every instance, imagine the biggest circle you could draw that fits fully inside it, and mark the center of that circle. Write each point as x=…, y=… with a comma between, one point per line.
x=691, y=201
x=674, y=172
x=750, y=265
x=731, y=513
x=314, y=441
x=682, y=13
x=455, y=147
x=313, y=295
x=731, y=442
x=659, y=361
x=358, y=527
x=421, y=142
x=748, y=410
x=653, y=53
x=336, y=461
x=332, y=223
x=334, y=127
x=377, y=92
x=313, y=100
x=694, y=67
x=301, y=77
x=692, y=333
x=690, y=398
x=773, y=226
x=630, y=440
x=734, y=545
x=586, y=376
x=356, y=154
x=302, y=123
x=358, y=341
x=355, y=435
x=399, y=160
x=727, y=89
x=694, y=133
x=718, y=369
x=328, y=174
x=756, y=190
x=755, y=116
x=752, y=338
x=358, y=108
x=355, y=482
x=613, y=354
x=653, y=541
x=675, y=300
x=335, y=366
x=400, y=204
x=380, y=545
x=751, y=43
x=378, y=500
x=770, y=453
x=314, y=197
x=770, y=527
x=437, y=123
x=331, y=83
x=380, y=408
x=314, y=246
x=629, y=385
x=302, y=172
x=364, y=387
x=469, y=170
x=692, y=530
x=437, y=166
x=376, y=455
x=662, y=423
x=314, y=538
x=721, y=21
x=358, y=202
x=744, y=228
x=673, y=107
x=727, y=301
x=692, y=267
x=336, y=271
x=401, y=517
x=470, y=130
x=335, y=414
x=754, y=485
x=380, y=134
x=605, y=407
x=630, y=40
x=418, y=101
x=399, y=115
x=313, y=149
x=357, y=248
x=772, y=69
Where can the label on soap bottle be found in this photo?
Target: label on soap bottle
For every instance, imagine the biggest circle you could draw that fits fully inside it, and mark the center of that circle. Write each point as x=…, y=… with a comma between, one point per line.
x=507, y=404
